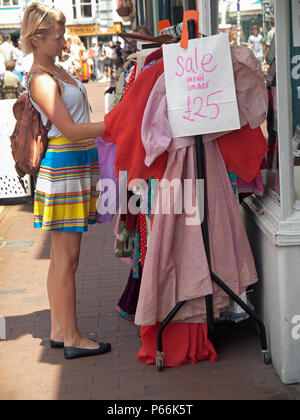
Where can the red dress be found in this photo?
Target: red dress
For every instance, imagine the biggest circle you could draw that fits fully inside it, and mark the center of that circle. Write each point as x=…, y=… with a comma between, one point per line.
x=123, y=126
x=182, y=344
x=244, y=152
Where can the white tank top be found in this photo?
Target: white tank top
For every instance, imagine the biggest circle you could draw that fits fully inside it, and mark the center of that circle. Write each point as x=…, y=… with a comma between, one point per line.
x=75, y=99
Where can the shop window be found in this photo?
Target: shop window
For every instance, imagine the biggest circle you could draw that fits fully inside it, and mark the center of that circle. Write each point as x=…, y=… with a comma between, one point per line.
x=253, y=26
x=74, y=7
x=295, y=78
x=174, y=9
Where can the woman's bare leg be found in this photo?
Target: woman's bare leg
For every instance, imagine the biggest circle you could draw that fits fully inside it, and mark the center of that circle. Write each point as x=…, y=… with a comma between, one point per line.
x=61, y=284
x=56, y=328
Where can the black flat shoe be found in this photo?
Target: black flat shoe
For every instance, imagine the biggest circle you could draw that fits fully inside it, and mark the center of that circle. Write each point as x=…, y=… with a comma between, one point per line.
x=56, y=344
x=76, y=353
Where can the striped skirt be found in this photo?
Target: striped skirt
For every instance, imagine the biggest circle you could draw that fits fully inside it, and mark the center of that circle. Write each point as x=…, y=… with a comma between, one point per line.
x=66, y=196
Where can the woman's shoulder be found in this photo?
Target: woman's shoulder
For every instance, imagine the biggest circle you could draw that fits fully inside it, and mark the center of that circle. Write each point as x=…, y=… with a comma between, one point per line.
x=42, y=81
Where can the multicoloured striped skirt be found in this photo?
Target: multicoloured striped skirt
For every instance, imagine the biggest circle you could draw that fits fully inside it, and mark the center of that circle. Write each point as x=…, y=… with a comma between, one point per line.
x=66, y=196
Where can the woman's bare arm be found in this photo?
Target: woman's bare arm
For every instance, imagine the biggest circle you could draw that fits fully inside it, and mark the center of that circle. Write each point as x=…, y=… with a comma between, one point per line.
x=45, y=93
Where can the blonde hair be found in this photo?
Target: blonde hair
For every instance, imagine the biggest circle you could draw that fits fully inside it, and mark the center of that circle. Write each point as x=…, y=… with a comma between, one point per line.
x=38, y=21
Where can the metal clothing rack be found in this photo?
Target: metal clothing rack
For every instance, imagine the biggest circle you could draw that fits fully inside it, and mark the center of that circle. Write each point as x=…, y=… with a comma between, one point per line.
x=209, y=299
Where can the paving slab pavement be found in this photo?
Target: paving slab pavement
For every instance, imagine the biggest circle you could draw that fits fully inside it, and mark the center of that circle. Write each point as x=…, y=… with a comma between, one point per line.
x=30, y=370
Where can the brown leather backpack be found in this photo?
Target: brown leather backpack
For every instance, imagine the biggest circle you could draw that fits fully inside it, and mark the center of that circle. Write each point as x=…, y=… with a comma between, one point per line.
x=29, y=140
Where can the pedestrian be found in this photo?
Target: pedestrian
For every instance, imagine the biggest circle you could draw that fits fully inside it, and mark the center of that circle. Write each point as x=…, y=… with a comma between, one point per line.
x=256, y=43
x=109, y=61
x=19, y=58
x=271, y=33
x=77, y=49
x=2, y=64
x=7, y=49
x=65, y=196
x=119, y=49
x=233, y=38
x=85, y=76
x=99, y=66
x=93, y=53
x=12, y=86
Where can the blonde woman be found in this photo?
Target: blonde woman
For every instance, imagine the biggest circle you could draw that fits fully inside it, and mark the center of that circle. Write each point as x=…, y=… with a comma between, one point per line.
x=65, y=198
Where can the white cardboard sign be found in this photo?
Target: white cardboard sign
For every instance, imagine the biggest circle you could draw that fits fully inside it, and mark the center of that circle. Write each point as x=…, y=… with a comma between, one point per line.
x=200, y=87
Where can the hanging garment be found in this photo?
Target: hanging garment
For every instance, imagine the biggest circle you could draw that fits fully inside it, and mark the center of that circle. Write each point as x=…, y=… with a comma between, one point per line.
x=175, y=269
x=142, y=57
x=167, y=277
x=243, y=150
x=129, y=299
x=130, y=153
x=106, y=156
x=183, y=344
x=154, y=56
x=252, y=95
x=255, y=187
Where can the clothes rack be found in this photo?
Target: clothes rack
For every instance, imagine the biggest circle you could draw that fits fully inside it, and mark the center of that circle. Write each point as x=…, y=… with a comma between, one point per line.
x=214, y=277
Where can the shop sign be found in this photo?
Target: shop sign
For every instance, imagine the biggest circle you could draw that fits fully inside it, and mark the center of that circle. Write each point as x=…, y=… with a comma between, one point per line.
x=200, y=87
x=90, y=30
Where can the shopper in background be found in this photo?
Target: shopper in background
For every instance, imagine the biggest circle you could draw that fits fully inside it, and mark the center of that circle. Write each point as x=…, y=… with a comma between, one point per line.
x=77, y=49
x=19, y=58
x=2, y=64
x=12, y=86
x=271, y=33
x=256, y=42
x=99, y=65
x=7, y=48
x=233, y=37
x=109, y=61
x=93, y=52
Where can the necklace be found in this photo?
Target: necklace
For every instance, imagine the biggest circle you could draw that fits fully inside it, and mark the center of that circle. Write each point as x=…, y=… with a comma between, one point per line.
x=55, y=73
x=63, y=79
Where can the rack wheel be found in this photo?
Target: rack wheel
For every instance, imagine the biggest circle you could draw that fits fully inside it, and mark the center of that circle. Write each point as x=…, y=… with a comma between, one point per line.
x=266, y=357
x=160, y=357
x=160, y=365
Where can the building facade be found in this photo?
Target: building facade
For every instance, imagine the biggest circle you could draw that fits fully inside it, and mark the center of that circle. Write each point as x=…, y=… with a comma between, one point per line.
x=89, y=19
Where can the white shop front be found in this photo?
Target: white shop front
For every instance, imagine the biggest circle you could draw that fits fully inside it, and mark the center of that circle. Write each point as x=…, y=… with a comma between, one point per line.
x=273, y=221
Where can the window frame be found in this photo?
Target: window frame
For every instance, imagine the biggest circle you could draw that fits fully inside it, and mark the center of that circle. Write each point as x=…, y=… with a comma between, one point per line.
x=11, y=6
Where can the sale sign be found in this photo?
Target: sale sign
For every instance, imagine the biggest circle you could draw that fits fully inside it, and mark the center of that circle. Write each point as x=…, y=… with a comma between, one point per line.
x=200, y=87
